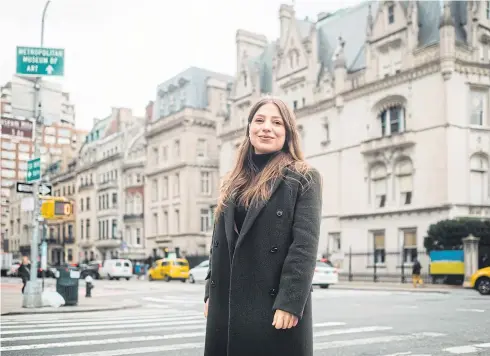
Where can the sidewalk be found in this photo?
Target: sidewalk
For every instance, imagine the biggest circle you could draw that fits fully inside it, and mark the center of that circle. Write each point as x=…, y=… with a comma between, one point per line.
x=395, y=287
x=12, y=303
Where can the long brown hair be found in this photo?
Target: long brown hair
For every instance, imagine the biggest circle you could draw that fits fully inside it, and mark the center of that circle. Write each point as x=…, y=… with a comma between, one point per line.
x=243, y=183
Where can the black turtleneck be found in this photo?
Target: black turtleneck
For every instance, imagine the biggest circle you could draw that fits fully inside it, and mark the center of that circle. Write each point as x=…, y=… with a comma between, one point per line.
x=260, y=161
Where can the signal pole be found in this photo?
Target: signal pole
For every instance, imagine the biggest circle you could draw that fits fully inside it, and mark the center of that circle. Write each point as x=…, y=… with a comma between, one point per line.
x=33, y=294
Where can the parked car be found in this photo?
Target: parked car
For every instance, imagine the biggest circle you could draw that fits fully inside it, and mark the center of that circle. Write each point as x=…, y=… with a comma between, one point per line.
x=198, y=273
x=325, y=274
x=480, y=280
x=116, y=269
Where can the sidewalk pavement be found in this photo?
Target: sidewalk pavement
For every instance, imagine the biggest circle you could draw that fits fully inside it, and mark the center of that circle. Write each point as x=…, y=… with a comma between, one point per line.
x=396, y=287
x=12, y=303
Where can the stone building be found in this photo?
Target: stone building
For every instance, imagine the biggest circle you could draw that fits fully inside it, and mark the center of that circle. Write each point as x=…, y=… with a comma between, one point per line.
x=392, y=101
x=182, y=160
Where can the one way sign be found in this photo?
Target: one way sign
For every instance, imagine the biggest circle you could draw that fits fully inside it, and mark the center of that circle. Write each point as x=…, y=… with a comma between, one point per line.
x=27, y=188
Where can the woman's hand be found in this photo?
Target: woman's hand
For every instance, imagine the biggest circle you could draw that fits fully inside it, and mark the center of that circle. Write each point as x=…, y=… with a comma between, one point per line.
x=283, y=320
x=206, y=308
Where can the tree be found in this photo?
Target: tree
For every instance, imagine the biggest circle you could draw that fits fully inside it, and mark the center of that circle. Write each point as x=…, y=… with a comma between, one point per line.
x=448, y=234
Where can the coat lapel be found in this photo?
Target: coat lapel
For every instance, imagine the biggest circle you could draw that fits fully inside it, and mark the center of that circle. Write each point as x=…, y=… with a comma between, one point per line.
x=252, y=214
x=229, y=215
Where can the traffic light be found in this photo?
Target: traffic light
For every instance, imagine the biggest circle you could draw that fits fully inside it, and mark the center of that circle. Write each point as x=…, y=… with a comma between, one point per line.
x=56, y=209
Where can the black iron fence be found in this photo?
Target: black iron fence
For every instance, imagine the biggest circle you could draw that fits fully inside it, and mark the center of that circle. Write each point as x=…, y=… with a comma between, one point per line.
x=381, y=266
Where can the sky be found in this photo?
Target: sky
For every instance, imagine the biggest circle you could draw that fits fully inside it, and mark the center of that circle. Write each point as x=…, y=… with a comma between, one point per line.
x=118, y=51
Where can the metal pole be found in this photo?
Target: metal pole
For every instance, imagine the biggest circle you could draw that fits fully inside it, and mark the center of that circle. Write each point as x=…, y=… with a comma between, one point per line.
x=32, y=297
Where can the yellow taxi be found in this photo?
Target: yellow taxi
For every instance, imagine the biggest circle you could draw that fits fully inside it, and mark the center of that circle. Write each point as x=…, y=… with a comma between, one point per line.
x=480, y=280
x=168, y=269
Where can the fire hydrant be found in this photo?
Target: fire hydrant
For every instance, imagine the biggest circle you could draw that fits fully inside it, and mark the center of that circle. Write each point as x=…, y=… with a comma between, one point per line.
x=88, y=286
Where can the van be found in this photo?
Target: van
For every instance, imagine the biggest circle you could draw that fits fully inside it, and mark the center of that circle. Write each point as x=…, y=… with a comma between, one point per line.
x=169, y=268
x=115, y=269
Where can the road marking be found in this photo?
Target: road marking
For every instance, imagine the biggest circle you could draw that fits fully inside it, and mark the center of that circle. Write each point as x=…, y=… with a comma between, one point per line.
x=373, y=340
x=471, y=310
x=141, y=350
x=99, y=333
x=406, y=306
x=333, y=323
x=176, y=301
x=101, y=342
x=174, y=317
x=351, y=331
x=102, y=327
x=157, y=306
x=468, y=349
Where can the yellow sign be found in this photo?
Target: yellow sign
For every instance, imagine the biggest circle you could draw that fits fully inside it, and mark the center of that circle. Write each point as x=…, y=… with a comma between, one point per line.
x=56, y=209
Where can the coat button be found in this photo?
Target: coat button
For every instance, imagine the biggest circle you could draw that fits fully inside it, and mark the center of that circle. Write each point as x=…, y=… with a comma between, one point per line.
x=274, y=249
x=213, y=283
x=279, y=213
x=273, y=292
x=216, y=243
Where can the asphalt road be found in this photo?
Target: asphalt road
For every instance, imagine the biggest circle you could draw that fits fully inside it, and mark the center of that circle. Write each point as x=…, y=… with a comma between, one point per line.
x=347, y=323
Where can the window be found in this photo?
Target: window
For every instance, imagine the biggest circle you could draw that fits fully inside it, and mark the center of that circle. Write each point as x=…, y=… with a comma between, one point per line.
x=7, y=173
x=154, y=190
x=379, y=185
x=392, y=120
x=24, y=148
x=8, y=155
x=63, y=141
x=8, y=164
x=114, y=228
x=129, y=204
x=479, y=179
x=176, y=185
x=8, y=146
x=201, y=147
x=404, y=181
x=155, y=224
x=70, y=231
x=205, y=220
x=293, y=58
x=156, y=157
x=138, y=236
x=81, y=204
x=138, y=204
x=478, y=108
x=87, y=228
x=379, y=247
x=114, y=200
x=165, y=222
x=87, y=204
x=81, y=229
x=391, y=14
x=165, y=187
x=177, y=148
x=334, y=242
x=177, y=221
x=205, y=183
x=409, y=245
x=487, y=10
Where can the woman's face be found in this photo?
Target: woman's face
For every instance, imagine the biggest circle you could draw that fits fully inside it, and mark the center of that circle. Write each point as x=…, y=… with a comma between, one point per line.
x=267, y=130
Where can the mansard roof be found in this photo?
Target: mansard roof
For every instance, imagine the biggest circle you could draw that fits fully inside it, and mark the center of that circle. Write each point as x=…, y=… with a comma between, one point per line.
x=350, y=24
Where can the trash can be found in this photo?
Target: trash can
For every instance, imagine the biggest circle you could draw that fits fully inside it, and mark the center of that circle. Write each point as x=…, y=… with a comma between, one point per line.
x=67, y=285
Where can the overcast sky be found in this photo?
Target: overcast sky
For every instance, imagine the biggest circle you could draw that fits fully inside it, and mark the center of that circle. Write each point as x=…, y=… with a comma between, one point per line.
x=118, y=51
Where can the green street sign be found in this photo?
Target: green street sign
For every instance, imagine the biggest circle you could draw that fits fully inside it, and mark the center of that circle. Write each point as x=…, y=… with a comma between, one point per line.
x=33, y=170
x=40, y=61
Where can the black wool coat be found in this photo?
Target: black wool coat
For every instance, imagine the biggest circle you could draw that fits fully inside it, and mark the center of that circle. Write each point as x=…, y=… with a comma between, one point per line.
x=272, y=268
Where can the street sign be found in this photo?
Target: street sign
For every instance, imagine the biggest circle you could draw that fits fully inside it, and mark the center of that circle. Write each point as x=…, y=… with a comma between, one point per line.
x=45, y=189
x=15, y=127
x=40, y=61
x=23, y=187
x=33, y=170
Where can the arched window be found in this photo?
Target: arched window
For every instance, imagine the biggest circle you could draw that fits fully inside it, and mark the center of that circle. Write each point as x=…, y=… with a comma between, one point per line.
x=392, y=120
x=378, y=179
x=138, y=205
x=479, y=179
x=404, y=181
x=293, y=55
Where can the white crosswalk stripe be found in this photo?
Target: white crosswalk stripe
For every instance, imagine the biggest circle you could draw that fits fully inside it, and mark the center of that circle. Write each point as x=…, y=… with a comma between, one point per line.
x=179, y=331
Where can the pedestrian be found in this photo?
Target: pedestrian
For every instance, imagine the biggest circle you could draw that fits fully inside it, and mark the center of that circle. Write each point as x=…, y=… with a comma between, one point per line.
x=265, y=243
x=24, y=271
x=416, y=269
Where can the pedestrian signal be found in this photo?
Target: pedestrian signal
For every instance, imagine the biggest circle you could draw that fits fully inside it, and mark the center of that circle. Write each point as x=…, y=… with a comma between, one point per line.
x=53, y=209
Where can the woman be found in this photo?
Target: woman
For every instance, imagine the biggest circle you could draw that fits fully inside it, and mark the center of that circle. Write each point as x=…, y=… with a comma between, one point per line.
x=265, y=242
x=24, y=272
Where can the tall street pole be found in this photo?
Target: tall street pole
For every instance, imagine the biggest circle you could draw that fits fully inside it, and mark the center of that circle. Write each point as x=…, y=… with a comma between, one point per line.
x=33, y=294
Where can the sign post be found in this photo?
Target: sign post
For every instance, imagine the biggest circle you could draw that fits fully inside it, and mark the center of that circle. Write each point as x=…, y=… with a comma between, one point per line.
x=38, y=61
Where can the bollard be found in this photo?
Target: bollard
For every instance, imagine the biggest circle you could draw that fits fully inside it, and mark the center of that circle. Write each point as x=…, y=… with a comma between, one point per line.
x=88, y=286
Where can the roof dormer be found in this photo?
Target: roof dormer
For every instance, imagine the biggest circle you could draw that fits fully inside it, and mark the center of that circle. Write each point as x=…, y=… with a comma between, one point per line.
x=391, y=17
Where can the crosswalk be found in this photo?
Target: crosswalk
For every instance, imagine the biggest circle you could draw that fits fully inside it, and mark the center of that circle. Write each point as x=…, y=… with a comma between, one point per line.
x=176, y=330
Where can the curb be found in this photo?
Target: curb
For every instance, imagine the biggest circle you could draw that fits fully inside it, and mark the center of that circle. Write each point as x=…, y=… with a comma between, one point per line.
x=393, y=289
x=62, y=310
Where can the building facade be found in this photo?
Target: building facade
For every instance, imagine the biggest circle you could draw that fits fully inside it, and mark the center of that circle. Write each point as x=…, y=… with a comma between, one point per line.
x=16, y=147
x=181, y=182
x=61, y=234
x=102, y=187
x=393, y=111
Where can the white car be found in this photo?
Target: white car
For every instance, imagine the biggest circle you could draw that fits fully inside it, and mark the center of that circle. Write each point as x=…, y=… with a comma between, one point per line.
x=116, y=269
x=198, y=273
x=325, y=274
